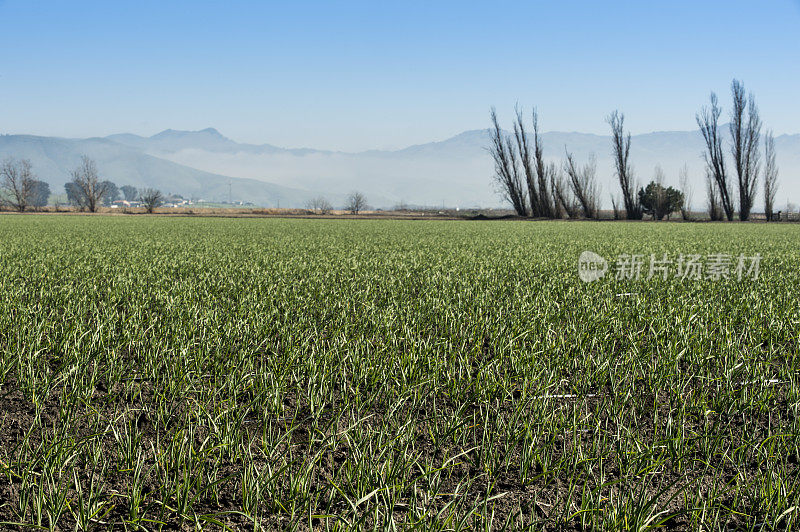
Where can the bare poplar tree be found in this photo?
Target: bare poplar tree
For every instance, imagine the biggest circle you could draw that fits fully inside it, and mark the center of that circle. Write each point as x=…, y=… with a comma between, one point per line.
x=151, y=199
x=770, y=176
x=745, y=128
x=686, y=188
x=533, y=166
x=88, y=186
x=507, y=173
x=527, y=163
x=583, y=184
x=545, y=203
x=17, y=182
x=622, y=148
x=708, y=121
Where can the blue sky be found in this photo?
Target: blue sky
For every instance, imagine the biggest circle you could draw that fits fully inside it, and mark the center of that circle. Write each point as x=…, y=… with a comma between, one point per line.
x=361, y=75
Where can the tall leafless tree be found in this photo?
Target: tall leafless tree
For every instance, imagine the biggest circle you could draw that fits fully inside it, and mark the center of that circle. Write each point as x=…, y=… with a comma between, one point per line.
x=532, y=164
x=622, y=149
x=708, y=121
x=770, y=176
x=17, y=182
x=90, y=189
x=583, y=184
x=686, y=188
x=745, y=128
x=506, y=168
x=527, y=163
x=545, y=202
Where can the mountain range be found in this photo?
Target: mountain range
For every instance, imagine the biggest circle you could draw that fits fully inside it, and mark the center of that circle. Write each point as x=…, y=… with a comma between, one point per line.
x=455, y=172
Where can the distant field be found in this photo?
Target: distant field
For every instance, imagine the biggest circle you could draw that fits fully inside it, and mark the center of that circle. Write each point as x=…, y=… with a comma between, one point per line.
x=358, y=374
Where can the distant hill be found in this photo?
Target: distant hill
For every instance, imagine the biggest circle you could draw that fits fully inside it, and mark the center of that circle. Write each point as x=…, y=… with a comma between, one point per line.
x=209, y=139
x=54, y=158
x=454, y=172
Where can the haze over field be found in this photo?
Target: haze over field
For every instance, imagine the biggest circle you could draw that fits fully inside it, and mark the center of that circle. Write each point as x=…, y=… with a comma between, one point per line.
x=455, y=172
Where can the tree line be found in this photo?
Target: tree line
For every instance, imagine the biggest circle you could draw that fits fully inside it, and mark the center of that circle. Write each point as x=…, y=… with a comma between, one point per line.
x=354, y=204
x=538, y=189
x=85, y=191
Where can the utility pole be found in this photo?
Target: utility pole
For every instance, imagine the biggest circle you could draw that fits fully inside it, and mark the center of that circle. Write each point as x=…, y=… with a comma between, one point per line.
x=230, y=193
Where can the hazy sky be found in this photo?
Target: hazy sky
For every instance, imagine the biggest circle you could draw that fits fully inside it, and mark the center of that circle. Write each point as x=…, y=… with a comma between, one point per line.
x=359, y=75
